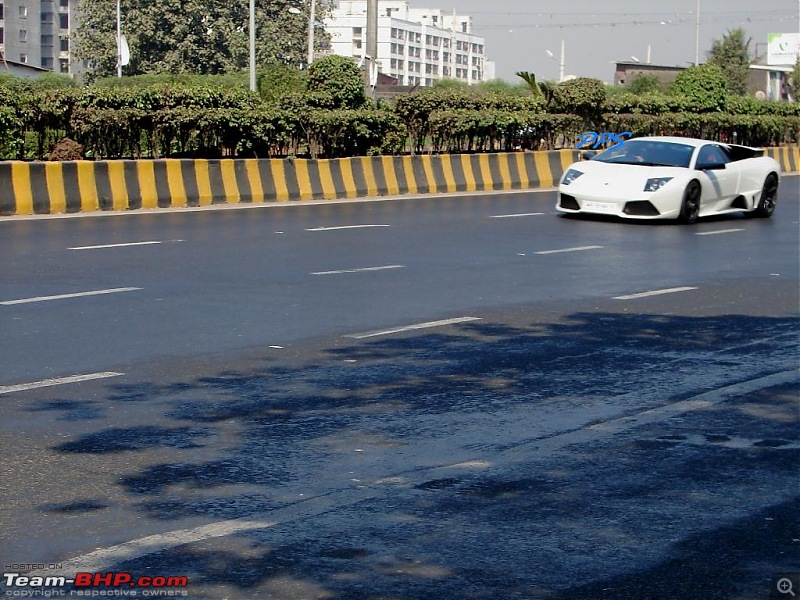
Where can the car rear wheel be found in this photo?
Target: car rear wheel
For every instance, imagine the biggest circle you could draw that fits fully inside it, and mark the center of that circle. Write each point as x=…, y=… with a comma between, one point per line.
x=690, y=205
x=769, y=196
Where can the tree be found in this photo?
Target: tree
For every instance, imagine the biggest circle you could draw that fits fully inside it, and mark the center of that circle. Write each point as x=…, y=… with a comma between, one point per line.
x=794, y=80
x=732, y=55
x=543, y=89
x=644, y=84
x=277, y=81
x=339, y=78
x=582, y=96
x=192, y=36
x=705, y=86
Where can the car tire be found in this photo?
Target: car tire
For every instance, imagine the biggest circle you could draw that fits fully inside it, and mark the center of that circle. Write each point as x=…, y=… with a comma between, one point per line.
x=690, y=204
x=769, y=194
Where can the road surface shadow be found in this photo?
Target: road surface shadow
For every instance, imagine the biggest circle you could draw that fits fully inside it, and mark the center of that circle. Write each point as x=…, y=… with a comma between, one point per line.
x=673, y=509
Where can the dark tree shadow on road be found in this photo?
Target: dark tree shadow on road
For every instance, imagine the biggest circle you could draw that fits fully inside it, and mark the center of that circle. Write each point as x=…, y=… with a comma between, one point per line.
x=576, y=527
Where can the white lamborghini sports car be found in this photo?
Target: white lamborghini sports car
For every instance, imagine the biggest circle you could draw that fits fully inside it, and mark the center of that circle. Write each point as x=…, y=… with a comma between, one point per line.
x=671, y=178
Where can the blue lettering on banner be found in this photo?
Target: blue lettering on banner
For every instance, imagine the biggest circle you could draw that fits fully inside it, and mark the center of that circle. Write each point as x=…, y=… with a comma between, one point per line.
x=599, y=139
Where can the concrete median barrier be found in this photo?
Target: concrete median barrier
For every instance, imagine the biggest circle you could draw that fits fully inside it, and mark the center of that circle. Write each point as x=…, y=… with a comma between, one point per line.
x=70, y=187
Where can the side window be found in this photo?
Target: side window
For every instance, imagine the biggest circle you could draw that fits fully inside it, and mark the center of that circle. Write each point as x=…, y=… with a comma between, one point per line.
x=711, y=154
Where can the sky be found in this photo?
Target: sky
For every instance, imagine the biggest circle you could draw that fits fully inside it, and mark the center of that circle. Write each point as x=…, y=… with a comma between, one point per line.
x=597, y=33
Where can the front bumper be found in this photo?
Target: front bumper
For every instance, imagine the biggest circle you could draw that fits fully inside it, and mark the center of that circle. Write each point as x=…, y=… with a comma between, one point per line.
x=629, y=209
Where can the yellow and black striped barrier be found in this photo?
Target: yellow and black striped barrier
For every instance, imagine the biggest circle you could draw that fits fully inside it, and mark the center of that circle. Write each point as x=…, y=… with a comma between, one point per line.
x=51, y=187
x=69, y=187
x=787, y=156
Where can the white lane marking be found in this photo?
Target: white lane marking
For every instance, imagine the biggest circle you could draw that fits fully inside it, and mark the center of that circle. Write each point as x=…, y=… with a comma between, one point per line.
x=718, y=231
x=103, y=559
x=150, y=243
x=515, y=215
x=64, y=296
x=359, y=270
x=429, y=324
x=578, y=249
x=655, y=293
x=345, y=227
x=22, y=387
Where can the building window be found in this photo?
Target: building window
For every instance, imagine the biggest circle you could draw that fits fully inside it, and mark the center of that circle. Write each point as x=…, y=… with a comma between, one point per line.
x=2, y=36
x=23, y=35
x=356, y=43
x=47, y=62
x=1, y=11
x=435, y=19
x=63, y=3
x=47, y=40
x=356, y=31
x=63, y=44
x=63, y=19
x=63, y=64
x=23, y=58
x=23, y=12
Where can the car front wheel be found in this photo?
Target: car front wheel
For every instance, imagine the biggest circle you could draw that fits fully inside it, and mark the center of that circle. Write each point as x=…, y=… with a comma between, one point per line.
x=690, y=205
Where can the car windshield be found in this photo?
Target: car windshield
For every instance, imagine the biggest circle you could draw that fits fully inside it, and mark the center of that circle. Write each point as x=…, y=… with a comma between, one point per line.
x=648, y=153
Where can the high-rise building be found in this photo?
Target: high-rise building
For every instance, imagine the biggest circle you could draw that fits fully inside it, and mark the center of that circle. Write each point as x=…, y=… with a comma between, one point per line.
x=417, y=46
x=37, y=32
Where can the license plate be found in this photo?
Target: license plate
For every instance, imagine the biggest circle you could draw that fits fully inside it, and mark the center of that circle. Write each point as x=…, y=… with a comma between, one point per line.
x=605, y=207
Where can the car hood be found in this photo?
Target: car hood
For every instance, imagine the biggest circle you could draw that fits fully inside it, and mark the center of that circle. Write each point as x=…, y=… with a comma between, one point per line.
x=601, y=178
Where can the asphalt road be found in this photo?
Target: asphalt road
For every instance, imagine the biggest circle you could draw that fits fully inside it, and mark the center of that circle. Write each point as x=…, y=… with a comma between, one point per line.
x=464, y=397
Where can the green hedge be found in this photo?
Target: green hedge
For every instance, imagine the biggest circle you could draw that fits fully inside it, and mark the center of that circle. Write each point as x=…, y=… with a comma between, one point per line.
x=164, y=119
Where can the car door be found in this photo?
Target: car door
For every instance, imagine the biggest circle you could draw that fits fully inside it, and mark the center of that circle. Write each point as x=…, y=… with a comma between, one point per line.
x=718, y=175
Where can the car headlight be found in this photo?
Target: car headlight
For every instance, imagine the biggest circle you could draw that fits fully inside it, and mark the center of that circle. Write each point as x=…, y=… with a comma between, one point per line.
x=570, y=176
x=656, y=183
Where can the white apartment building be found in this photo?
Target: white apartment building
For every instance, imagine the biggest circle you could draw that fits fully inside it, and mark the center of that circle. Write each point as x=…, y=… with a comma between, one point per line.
x=417, y=46
x=36, y=32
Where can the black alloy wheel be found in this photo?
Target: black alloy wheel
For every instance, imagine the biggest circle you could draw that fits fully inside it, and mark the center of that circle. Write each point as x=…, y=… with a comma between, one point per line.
x=690, y=205
x=769, y=197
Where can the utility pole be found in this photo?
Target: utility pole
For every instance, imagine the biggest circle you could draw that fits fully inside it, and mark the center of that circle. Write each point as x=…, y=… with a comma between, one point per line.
x=119, y=40
x=371, y=51
x=697, y=36
x=252, y=45
x=562, y=64
x=312, y=18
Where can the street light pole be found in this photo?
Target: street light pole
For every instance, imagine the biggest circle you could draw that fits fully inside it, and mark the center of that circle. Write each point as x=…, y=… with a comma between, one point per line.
x=252, y=45
x=312, y=18
x=371, y=50
x=119, y=40
x=697, y=35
